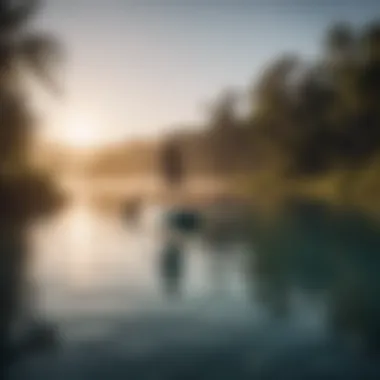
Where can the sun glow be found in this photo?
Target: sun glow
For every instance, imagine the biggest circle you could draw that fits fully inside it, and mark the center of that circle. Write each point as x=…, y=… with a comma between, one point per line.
x=81, y=131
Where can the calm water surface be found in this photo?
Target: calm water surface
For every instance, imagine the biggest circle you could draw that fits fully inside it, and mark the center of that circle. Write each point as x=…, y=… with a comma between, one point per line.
x=300, y=297
x=86, y=262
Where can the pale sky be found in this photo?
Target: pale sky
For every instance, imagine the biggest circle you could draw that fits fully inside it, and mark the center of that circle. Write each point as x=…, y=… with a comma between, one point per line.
x=139, y=68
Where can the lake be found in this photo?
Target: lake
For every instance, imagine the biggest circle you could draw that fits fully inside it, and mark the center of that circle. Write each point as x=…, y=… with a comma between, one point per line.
x=298, y=297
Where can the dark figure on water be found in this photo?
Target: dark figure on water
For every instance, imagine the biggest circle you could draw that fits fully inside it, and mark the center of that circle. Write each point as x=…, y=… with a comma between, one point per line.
x=184, y=220
x=172, y=268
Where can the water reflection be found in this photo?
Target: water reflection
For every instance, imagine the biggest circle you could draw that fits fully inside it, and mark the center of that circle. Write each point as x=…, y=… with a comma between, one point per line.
x=82, y=252
x=310, y=265
x=172, y=267
x=82, y=247
x=329, y=256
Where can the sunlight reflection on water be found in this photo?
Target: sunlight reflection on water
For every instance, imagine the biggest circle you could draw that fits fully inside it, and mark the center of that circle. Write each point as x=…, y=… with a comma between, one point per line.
x=84, y=259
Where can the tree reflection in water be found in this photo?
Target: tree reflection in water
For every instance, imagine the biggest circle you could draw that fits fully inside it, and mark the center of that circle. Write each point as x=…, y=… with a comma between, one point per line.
x=324, y=253
x=172, y=268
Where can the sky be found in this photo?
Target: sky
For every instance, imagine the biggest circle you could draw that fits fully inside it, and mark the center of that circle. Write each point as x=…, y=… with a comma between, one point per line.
x=141, y=68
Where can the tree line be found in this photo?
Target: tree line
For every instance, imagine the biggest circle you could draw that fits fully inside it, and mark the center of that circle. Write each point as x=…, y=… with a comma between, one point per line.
x=303, y=116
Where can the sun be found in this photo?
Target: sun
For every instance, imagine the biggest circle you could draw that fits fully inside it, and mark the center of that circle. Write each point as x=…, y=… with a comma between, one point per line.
x=81, y=131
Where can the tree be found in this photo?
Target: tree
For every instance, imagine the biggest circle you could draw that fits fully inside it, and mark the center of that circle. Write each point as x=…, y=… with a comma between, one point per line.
x=224, y=124
x=21, y=52
x=324, y=112
x=24, y=193
x=340, y=42
x=273, y=100
x=223, y=112
x=172, y=163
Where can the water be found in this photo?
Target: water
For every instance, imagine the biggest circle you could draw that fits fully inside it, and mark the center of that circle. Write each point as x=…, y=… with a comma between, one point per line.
x=299, y=299
x=85, y=262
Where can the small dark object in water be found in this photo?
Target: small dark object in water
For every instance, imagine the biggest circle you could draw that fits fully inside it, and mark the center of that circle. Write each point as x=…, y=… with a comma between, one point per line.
x=184, y=220
x=171, y=268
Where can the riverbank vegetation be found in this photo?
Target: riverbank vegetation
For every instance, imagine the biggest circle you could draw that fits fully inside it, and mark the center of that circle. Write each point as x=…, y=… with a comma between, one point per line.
x=307, y=126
